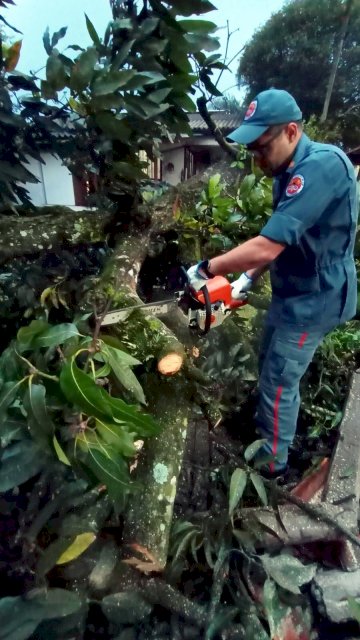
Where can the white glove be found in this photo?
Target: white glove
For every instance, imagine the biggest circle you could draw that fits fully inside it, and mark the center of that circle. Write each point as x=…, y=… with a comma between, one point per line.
x=240, y=286
x=198, y=275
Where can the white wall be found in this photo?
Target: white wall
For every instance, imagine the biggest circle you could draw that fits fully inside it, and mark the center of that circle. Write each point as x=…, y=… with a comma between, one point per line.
x=176, y=157
x=56, y=183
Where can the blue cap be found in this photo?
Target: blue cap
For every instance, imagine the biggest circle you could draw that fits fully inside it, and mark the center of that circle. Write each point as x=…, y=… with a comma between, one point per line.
x=273, y=106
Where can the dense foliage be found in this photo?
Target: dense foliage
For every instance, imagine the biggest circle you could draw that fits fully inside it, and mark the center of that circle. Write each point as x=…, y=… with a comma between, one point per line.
x=295, y=49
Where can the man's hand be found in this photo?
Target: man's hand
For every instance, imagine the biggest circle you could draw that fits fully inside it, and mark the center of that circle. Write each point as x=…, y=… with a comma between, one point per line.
x=198, y=274
x=240, y=286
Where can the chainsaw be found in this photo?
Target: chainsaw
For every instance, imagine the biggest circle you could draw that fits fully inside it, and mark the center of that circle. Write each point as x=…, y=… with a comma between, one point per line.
x=205, y=309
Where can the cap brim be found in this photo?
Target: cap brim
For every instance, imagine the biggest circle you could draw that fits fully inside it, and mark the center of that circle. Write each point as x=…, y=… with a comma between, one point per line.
x=247, y=133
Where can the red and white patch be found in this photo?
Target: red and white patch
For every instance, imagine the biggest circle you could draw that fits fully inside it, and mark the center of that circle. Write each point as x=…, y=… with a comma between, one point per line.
x=250, y=110
x=295, y=185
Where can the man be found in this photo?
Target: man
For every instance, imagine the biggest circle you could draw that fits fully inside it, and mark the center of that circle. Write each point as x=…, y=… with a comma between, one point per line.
x=308, y=246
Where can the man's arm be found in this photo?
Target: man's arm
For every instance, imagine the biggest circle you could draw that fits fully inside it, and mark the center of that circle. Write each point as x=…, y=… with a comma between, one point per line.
x=253, y=254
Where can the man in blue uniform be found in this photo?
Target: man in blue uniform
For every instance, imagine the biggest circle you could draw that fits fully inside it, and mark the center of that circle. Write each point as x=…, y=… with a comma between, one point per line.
x=308, y=246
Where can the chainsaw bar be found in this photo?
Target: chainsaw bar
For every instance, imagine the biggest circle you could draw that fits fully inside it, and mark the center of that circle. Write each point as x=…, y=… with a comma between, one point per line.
x=160, y=308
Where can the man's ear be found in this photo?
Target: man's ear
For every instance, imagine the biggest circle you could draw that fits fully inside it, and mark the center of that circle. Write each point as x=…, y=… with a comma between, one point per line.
x=292, y=131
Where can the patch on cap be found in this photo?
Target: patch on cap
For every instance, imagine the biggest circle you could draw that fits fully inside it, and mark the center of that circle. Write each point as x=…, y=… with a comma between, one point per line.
x=251, y=110
x=295, y=185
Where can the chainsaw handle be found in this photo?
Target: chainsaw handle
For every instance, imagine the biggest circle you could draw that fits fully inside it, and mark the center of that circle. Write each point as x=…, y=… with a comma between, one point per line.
x=205, y=292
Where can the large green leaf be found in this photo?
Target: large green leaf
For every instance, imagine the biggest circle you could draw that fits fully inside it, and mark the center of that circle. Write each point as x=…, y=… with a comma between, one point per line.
x=55, y=72
x=40, y=424
x=260, y=487
x=80, y=389
x=111, y=470
x=26, y=335
x=57, y=36
x=111, y=81
x=21, y=615
x=55, y=335
x=237, y=485
x=117, y=361
x=117, y=436
x=84, y=69
x=253, y=448
x=92, y=32
x=19, y=462
x=189, y=7
x=198, y=26
x=287, y=571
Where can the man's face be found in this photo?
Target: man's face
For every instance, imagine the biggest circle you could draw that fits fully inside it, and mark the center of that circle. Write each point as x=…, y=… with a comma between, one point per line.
x=274, y=149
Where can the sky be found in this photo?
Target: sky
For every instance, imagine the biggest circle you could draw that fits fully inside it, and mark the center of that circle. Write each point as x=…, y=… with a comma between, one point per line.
x=33, y=16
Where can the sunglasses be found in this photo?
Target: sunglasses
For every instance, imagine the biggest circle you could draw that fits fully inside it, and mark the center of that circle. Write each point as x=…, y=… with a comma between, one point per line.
x=264, y=148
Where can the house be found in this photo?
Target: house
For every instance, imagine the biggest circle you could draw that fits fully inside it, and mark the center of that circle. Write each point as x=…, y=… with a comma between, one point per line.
x=181, y=159
x=188, y=155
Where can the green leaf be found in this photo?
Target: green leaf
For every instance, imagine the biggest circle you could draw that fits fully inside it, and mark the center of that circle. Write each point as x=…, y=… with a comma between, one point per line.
x=92, y=32
x=40, y=424
x=198, y=26
x=122, y=54
x=253, y=448
x=127, y=607
x=80, y=389
x=60, y=452
x=214, y=185
x=184, y=102
x=189, y=7
x=21, y=615
x=159, y=95
x=114, y=127
x=288, y=572
x=26, y=335
x=11, y=429
x=84, y=69
x=122, y=371
x=46, y=41
x=111, y=81
x=354, y=608
x=77, y=547
x=49, y=556
x=8, y=394
x=55, y=72
x=198, y=41
x=237, y=485
x=260, y=488
x=276, y=611
x=58, y=35
x=20, y=461
x=55, y=335
x=111, y=471
x=117, y=436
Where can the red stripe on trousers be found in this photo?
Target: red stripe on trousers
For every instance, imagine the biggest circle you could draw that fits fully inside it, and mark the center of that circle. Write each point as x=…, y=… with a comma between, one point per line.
x=302, y=340
x=276, y=425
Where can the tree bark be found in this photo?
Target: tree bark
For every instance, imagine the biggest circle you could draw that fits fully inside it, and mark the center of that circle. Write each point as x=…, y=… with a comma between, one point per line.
x=22, y=235
x=149, y=518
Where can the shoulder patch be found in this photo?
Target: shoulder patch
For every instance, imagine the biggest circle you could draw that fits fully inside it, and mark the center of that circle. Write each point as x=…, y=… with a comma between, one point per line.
x=295, y=185
x=250, y=110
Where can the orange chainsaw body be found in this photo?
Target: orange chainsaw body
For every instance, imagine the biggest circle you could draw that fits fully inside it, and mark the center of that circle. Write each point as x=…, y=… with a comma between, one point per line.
x=219, y=289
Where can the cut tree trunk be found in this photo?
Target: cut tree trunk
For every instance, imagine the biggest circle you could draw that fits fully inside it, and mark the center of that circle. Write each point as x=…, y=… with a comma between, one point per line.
x=149, y=518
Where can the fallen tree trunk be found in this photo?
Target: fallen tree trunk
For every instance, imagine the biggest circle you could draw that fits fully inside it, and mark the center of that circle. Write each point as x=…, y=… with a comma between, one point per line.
x=22, y=235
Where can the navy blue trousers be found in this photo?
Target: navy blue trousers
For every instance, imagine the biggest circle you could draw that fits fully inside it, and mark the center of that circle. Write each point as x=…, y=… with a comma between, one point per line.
x=285, y=355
